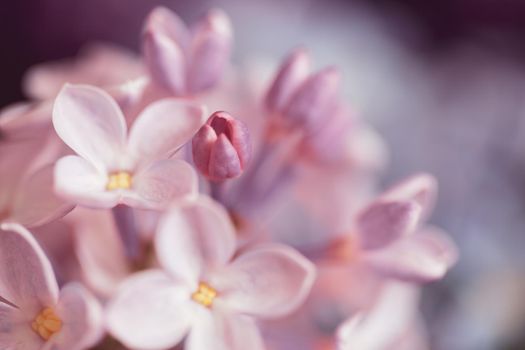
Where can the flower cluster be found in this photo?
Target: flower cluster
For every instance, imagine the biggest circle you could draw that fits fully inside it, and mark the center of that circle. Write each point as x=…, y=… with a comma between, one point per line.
x=156, y=224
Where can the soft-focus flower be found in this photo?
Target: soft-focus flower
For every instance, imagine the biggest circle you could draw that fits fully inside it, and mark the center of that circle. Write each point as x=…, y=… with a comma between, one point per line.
x=113, y=167
x=300, y=99
x=222, y=147
x=34, y=314
x=102, y=65
x=186, y=62
x=391, y=324
x=205, y=291
x=389, y=236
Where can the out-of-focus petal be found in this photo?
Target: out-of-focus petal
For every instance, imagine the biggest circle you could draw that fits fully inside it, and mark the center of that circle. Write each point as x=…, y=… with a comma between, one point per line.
x=315, y=100
x=161, y=183
x=35, y=202
x=81, y=316
x=163, y=127
x=27, y=279
x=423, y=257
x=79, y=182
x=15, y=330
x=384, y=222
x=269, y=281
x=150, y=311
x=104, y=265
x=209, y=52
x=221, y=330
x=193, y=236
x=421, y=188
x=165, y=62
x=385, y=323
x=291, y=75
x=163, y=20
x=89, y=121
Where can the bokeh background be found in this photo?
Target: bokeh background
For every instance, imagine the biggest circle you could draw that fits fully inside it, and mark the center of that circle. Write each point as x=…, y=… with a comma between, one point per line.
x=442, y=80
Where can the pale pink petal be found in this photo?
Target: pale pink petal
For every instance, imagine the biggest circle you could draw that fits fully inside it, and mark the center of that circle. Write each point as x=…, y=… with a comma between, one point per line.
x=36, y=203
x=378, y=328
x=99, y=249
x=163, y=20
x=81, y=316
x=193, y=236
x=221, y=330
x=161, y=183
x=165, y=61
x=291, y=75
x=79, y=182
x=384, y=222
x=163, y=127
x=29, y=281
x=150, y=311
x=89, y=121
x=15, y=330
x=423, y=257
x=421, y=188
x=268, y=281
x=209, y=52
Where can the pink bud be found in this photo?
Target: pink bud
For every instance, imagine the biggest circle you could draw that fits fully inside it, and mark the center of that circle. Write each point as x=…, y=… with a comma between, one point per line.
x=221, y=148
x=209, y=52
x=291, y=75
x=315, y=100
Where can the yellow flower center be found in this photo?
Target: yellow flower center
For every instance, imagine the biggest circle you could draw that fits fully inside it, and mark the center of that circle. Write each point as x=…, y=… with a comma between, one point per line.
x=204, y=295
x=46, y=323
x=119, y=180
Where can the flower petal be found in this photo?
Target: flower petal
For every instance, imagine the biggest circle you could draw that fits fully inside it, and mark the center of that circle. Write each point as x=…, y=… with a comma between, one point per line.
x=36, y=203
x=104, y=266
x=150, y=311
x=292, y=73
x=15, y=330
x=192, y=236
x=163, y=127
x=210, y=51
x=81, y=316
x=268, y=281
x=377, y=329
x=421, y=188
x=383, y=222
x=220, y=330
x=161, y=183
x=89, y=121
x=29, y=282
x=79, y=182
x=423, y=257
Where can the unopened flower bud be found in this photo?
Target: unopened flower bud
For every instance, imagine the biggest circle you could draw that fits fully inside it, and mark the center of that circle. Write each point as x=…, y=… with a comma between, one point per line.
x=221, y=148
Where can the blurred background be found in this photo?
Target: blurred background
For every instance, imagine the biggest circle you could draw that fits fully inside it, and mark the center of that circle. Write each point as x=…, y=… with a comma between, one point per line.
x=443, y=81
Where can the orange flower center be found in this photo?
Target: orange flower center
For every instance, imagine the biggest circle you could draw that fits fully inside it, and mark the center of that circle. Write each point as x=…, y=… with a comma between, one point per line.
x=204, y=295
x=119, y=180
x=46, y=323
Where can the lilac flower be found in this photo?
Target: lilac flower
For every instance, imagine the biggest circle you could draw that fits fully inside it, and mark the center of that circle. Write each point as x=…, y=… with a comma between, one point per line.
x=221, y=148
x=34, y=314
x=186, y=62
x=389, y=237
x=205, y=291
x=113, y=167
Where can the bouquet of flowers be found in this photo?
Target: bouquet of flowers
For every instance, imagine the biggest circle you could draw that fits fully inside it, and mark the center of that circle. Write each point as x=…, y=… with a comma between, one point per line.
x=173, y=201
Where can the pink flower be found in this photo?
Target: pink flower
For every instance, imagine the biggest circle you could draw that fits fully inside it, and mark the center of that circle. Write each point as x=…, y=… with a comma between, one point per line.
x=113, y=167
x=184, y=62
x=221, y=148
x=206, y=291
x=389, y=237
x=300, y=99
x=102, y=65
x=392, y=323
x=34, y=314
